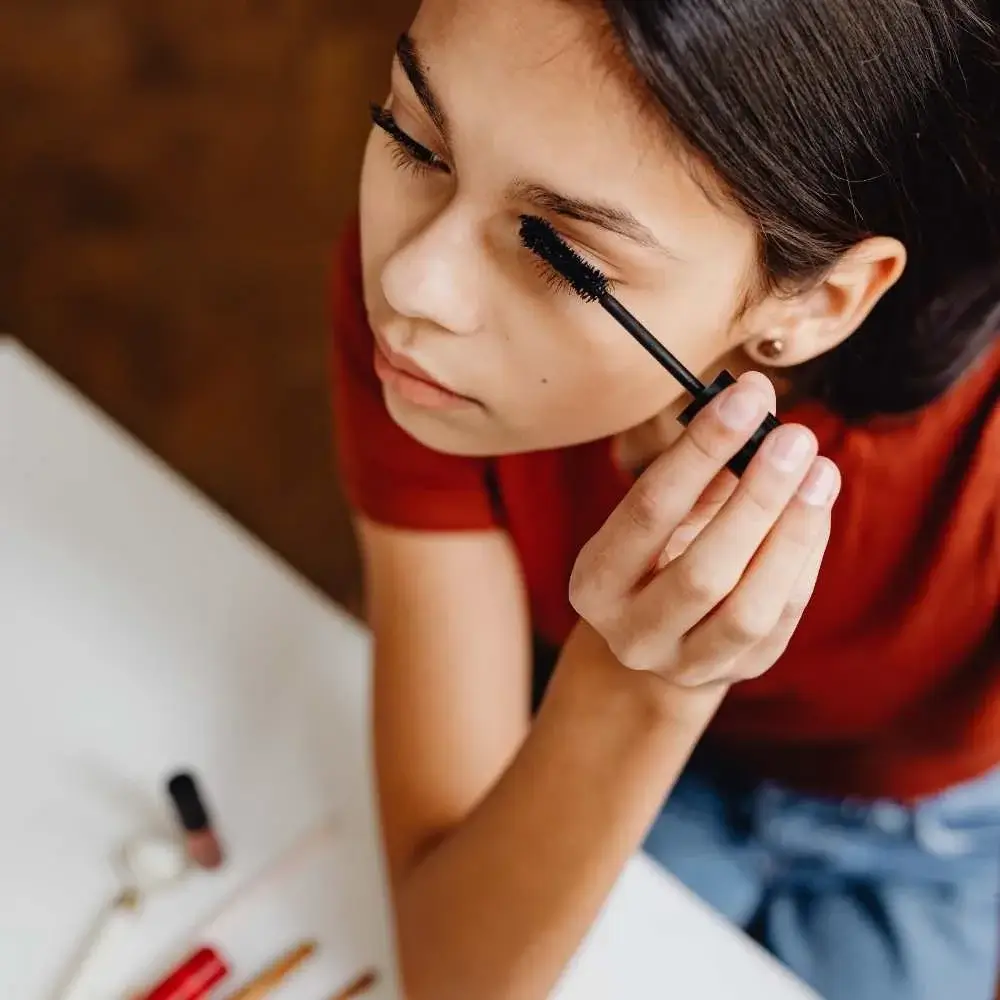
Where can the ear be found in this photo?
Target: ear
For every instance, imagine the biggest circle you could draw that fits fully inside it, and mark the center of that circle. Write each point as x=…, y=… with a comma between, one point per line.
x=784, y=331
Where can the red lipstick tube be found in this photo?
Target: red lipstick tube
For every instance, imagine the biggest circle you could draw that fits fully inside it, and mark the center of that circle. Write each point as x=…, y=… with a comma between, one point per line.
x=192, y=980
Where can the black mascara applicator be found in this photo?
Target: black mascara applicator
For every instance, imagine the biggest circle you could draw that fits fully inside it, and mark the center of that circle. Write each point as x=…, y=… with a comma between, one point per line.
x=593, y=286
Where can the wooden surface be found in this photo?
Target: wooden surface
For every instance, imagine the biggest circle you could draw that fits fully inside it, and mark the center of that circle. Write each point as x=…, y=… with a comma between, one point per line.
x=172, y=177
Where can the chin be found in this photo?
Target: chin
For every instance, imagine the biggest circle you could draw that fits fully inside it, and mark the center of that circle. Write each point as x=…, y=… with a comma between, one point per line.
x=467, y=435
x=474, y=434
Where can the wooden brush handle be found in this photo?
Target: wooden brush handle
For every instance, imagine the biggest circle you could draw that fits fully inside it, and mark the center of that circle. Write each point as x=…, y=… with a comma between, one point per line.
x=276, y=973
x=358, y=988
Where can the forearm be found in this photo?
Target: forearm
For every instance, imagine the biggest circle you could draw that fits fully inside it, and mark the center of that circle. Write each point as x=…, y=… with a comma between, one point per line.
x=501, y=905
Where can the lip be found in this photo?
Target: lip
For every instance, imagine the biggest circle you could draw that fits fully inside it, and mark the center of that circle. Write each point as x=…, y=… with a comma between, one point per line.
x=409, y=367
x=410, y=381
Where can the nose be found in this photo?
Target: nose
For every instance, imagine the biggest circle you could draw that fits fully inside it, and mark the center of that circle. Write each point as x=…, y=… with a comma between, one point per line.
x=433, y=275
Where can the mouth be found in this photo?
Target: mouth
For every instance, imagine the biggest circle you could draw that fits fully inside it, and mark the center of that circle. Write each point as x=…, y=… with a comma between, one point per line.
x=407, y=380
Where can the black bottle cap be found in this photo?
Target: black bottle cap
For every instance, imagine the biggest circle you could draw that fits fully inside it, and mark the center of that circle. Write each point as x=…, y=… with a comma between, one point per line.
x=741, y=460
x=183, y=790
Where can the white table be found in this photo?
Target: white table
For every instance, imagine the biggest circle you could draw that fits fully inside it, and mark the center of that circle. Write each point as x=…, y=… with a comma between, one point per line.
x=142, y=630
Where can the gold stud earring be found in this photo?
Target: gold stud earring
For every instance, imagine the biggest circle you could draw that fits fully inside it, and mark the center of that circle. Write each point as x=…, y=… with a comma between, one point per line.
x=771, y=349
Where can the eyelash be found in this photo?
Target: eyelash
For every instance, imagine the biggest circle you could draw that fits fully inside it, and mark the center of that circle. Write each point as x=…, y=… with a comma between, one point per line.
x=556, y=282
x=410, y=155
x=407, y=152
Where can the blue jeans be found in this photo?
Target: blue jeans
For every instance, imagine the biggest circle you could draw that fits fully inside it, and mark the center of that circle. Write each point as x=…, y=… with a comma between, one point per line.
x=862, y=900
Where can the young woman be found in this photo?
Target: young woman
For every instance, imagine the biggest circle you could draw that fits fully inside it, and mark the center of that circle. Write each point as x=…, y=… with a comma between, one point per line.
x=802, y=188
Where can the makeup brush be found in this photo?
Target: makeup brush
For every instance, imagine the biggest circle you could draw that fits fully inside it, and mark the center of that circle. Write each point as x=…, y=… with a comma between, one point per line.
x=276, y=973
x=364, y=983
x=593, y=286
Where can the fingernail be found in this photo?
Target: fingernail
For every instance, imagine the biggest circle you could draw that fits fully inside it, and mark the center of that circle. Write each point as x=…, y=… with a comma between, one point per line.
x=741, y=409
x=680, y=540
x=820, y=485
x=787, y=448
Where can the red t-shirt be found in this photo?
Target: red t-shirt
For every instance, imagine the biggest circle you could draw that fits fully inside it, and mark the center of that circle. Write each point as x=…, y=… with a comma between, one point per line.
x=891, y=686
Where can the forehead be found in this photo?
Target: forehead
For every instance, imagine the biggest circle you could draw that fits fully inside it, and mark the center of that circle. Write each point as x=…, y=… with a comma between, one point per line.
x=551, y=42
x=538, y=61
x=535, y=92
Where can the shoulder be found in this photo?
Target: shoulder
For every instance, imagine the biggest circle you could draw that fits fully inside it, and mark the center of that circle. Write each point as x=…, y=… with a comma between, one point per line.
x=926, y=482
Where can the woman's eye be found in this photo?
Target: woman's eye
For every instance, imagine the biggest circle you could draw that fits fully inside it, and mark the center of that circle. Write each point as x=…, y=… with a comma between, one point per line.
x=407, y=152
x=555, y=281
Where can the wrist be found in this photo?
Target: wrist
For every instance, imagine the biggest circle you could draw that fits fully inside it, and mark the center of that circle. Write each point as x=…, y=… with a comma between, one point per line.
x=652, y=700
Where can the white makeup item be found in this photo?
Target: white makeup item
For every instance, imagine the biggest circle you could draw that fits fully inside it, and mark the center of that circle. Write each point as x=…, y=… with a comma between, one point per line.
x=153, y=863
x=147, y=865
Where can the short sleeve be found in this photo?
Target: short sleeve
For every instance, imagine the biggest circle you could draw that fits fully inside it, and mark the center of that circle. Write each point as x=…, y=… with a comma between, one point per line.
x=387, y=475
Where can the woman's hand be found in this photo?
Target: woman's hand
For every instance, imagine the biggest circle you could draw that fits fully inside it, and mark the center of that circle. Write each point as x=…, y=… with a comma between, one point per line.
x=700, y=578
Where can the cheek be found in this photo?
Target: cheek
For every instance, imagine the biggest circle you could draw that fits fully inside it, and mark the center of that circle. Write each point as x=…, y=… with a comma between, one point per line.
x=585, y=392
x=589, y=379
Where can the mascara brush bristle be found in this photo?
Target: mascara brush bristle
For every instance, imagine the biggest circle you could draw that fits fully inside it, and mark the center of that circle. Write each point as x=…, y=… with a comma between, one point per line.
x=543, y=241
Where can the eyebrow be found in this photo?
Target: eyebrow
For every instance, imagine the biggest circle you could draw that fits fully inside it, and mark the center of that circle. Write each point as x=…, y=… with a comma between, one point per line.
x=608, y=217
x=416, y=73
x=613, y=219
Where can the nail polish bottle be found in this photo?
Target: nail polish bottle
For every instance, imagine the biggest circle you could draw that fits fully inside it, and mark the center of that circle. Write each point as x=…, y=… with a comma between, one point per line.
x=200, y=840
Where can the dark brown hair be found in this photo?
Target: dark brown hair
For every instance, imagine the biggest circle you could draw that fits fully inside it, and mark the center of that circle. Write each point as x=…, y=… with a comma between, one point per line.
x=829, y=121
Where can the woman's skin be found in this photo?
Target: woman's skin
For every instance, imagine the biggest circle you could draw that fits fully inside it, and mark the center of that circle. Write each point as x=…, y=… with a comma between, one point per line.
x=503, y=839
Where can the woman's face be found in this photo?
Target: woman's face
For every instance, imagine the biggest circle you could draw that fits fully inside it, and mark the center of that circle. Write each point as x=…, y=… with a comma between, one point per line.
x=518, y=109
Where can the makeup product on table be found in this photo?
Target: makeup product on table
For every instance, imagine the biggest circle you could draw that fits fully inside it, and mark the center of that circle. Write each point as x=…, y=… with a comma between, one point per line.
x=275, y=974
x=366, y=982
x=147, y=865
x=154, y=863
x=218, y=927
x=102, y=933
x=593, y=286
x=193, y=979
x=202, y=844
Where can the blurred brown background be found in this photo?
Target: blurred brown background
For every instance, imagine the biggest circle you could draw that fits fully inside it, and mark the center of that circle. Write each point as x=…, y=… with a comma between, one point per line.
x=173, y=174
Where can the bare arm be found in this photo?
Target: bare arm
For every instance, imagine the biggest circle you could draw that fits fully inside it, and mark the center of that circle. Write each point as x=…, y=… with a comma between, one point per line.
x=504, y=842
x=503, y=845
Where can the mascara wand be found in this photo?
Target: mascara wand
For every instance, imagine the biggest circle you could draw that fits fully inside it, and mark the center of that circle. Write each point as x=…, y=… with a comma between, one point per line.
x=593, y=286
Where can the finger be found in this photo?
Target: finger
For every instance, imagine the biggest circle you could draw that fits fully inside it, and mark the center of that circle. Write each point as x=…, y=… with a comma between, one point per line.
x=680, y=541
x=763, y=656
x=719, y=490
x=634, y=450
x=712, y=500
x=704, y=581
x=621, y=552
x=761, y=614
x=766, y=654
x=714, y=564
